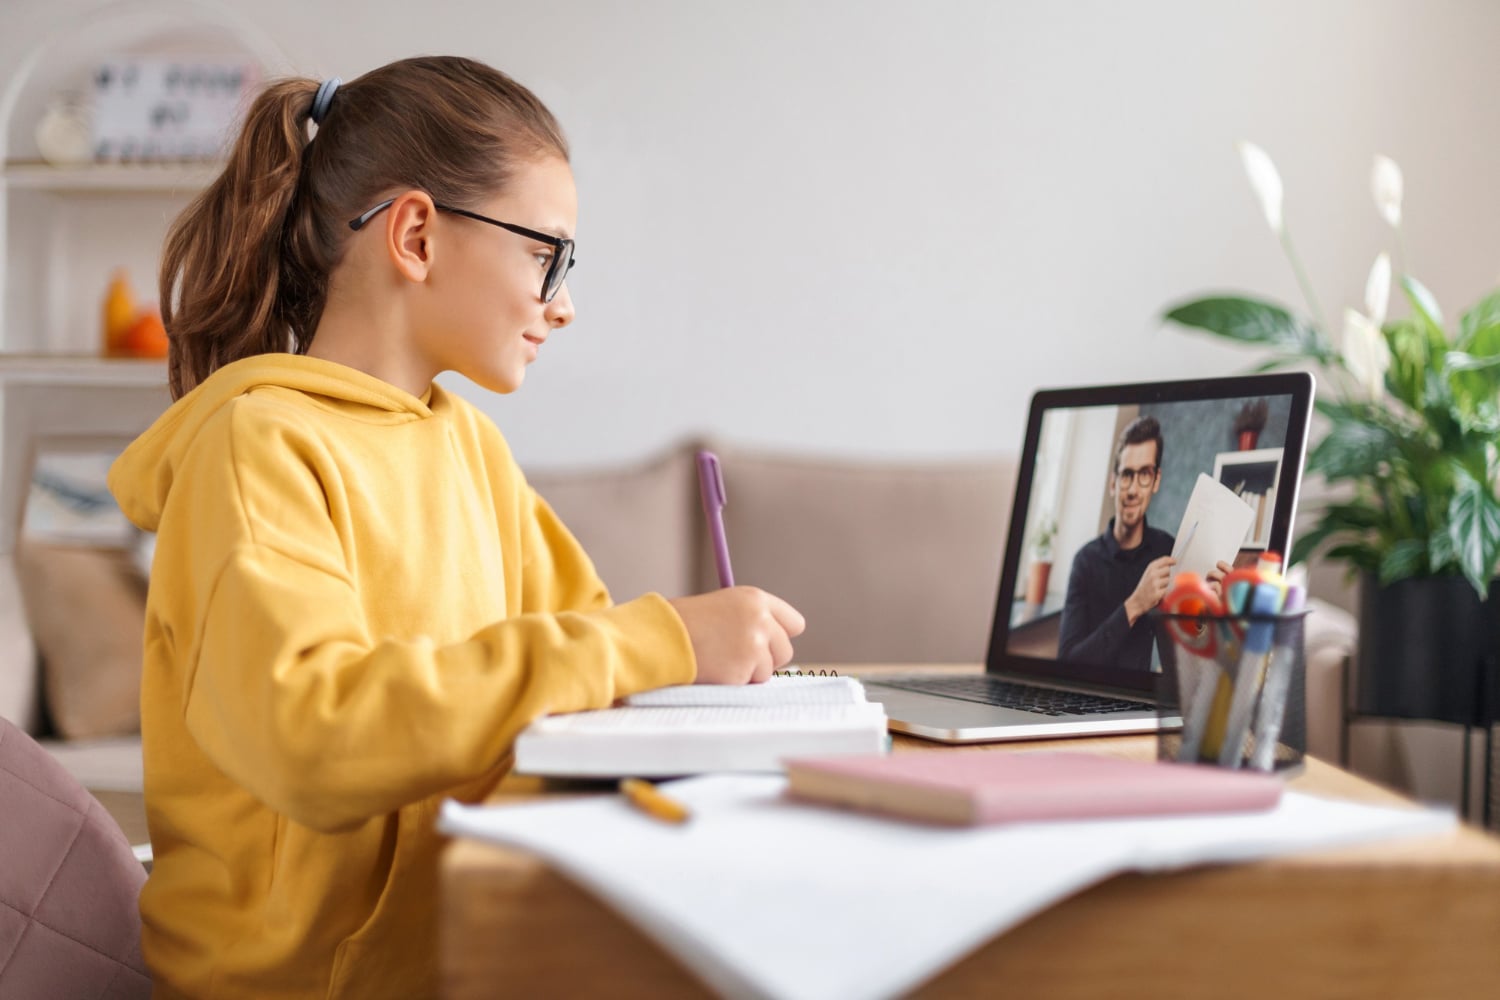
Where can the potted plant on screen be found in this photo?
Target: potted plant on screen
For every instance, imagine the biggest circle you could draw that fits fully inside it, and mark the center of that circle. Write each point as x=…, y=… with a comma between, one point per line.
x=1249, y=422
x=1412, y=446
x=1039, y=575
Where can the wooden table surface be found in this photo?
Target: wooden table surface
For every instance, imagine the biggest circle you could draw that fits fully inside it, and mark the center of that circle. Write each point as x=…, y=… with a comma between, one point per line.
x=1404, y=918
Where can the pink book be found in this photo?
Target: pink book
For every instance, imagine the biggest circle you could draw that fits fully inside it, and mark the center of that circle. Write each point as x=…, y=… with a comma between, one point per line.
x=968, y=787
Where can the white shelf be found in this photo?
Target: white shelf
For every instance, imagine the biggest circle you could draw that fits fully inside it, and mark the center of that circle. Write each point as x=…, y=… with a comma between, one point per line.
x=65, y=230
x=82, y=369
x=112, y=178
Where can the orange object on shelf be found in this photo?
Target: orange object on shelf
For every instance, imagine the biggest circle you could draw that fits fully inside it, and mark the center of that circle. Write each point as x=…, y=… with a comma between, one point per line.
x=130, y=330
x=119, y=314
x=147, y=337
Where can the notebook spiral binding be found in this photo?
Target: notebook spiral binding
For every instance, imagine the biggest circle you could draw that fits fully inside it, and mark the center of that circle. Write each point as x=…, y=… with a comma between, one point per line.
x=804, y=673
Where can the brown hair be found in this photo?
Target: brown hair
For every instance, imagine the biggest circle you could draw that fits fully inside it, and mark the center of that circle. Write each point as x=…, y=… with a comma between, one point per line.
x=1139, y=431
x=245, y=267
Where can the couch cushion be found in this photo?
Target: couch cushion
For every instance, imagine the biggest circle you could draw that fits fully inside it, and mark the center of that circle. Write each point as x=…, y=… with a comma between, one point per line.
x=633, y=521
x=1331, y=636
x=890, y=562
x=1326, y=579
x=69, y=882
x=20, y=679
x=87, y=609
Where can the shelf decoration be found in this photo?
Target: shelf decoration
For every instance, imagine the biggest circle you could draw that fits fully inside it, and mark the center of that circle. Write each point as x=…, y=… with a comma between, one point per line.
x=130, y=330
x=1249, y=422
x=153, y=108
x=64, y=133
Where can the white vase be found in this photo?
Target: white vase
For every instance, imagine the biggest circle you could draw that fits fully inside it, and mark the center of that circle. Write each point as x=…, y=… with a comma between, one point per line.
x=64, y=135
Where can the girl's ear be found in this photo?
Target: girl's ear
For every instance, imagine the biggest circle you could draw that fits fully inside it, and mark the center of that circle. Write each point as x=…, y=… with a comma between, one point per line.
x=408, y=234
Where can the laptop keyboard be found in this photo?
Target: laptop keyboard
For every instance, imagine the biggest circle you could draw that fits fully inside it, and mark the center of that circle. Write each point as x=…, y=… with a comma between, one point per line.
x=1008, y=694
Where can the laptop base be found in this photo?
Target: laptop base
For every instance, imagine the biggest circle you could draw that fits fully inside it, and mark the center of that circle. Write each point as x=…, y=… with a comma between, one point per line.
x=948, y=720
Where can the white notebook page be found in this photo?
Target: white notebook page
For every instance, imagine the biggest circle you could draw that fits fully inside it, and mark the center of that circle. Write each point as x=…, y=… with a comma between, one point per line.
x=807, y=690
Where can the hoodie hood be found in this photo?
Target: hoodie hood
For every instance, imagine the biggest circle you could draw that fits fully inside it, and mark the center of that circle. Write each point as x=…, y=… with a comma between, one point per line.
x=142, y=477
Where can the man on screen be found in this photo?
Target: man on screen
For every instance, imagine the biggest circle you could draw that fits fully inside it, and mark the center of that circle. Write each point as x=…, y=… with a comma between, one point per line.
x=1125, y=572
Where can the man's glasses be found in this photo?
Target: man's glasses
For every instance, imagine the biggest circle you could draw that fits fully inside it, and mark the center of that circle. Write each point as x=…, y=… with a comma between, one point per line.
x=1145, y=476
x=557, y=270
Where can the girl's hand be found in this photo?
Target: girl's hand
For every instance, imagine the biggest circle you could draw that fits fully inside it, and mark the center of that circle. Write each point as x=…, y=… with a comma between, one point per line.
x=739, y=634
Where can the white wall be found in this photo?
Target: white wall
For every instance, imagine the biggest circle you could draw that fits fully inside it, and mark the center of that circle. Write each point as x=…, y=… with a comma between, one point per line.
x=875, y=228
x=1086, y=480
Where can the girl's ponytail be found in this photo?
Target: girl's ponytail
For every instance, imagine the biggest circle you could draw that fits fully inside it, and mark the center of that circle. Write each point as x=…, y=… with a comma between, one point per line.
x=224, y=262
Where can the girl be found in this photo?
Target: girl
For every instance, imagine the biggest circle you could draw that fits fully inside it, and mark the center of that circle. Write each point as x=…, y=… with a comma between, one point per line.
x=356, y=600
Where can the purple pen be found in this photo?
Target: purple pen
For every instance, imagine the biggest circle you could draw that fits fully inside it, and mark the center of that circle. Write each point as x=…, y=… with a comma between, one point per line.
x=711, y=486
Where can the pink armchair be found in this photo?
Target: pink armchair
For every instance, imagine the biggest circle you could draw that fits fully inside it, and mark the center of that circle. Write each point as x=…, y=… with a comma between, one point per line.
x=69, y=926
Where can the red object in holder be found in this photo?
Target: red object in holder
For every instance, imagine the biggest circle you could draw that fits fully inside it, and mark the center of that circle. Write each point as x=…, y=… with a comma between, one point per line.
x=1190, y=596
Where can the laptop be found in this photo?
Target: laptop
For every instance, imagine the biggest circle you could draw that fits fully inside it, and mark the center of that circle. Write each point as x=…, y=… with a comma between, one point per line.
x=1102, y=489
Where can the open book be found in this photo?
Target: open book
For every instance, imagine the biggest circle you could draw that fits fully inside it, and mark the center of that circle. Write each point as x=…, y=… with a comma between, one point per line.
x=694, y=729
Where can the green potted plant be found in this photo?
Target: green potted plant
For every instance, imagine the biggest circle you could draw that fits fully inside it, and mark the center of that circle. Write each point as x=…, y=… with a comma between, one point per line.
x=1412, y=447
x=1040, y=573
x=1249, y=422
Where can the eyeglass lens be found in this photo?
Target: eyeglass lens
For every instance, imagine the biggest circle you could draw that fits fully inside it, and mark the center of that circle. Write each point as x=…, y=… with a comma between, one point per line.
x=557, y=274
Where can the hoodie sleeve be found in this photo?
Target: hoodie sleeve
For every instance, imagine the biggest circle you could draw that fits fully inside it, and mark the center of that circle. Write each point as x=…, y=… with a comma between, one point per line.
x=293, y=696
x=557, y=574
x=297, y=691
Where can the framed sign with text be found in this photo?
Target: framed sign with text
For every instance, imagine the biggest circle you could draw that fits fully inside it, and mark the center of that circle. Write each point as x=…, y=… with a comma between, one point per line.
x=153, y=108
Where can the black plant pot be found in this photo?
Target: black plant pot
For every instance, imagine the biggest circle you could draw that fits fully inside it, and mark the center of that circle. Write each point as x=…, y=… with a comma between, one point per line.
x=1427, y=650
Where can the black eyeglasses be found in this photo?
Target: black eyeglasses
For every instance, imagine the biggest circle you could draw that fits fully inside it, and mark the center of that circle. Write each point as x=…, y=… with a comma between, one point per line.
x=557, y=270
x=1145, y=476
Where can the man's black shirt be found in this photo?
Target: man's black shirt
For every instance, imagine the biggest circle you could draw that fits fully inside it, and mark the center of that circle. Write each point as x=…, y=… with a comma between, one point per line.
x=1095, y=628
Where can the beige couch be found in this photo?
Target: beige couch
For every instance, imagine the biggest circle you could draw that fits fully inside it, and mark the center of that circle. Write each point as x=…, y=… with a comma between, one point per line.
x=889, y=561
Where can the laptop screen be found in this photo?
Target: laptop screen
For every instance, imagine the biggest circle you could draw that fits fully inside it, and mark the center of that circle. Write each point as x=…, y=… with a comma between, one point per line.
x=1120, y=488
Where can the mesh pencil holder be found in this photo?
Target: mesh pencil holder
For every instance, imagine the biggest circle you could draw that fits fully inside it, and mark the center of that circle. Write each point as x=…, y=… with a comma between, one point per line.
x=1232, y=690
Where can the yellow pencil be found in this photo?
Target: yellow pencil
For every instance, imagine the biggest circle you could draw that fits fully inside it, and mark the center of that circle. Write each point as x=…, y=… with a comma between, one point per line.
x=645, y=797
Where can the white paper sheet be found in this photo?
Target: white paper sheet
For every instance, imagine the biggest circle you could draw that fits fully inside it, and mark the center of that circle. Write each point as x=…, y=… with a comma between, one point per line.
x=721, y=892
x=1214, y=526
x=808, y=690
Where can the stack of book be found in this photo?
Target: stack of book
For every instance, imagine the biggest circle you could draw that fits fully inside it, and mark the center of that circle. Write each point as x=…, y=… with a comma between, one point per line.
x=696, y=729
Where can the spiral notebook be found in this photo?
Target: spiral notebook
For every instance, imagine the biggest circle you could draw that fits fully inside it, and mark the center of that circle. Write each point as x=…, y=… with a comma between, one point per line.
x=701, y=728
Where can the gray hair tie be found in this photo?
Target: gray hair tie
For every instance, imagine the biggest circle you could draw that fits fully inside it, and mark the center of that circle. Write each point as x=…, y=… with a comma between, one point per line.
x=323, y=99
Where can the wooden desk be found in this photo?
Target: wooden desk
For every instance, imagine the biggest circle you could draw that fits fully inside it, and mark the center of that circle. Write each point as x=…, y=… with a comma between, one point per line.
x=1412, y=918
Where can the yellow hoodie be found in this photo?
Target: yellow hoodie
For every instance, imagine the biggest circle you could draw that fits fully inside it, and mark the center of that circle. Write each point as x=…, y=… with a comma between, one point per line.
x=356, y=603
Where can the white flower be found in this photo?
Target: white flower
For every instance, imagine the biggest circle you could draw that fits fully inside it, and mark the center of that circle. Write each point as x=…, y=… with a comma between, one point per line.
x=1365, y=352
x=1265, y=181
x=1378, y=290
x=1385, y=185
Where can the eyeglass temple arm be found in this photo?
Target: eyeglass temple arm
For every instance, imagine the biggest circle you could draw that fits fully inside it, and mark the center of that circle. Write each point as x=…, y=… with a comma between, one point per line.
x=358, y=224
